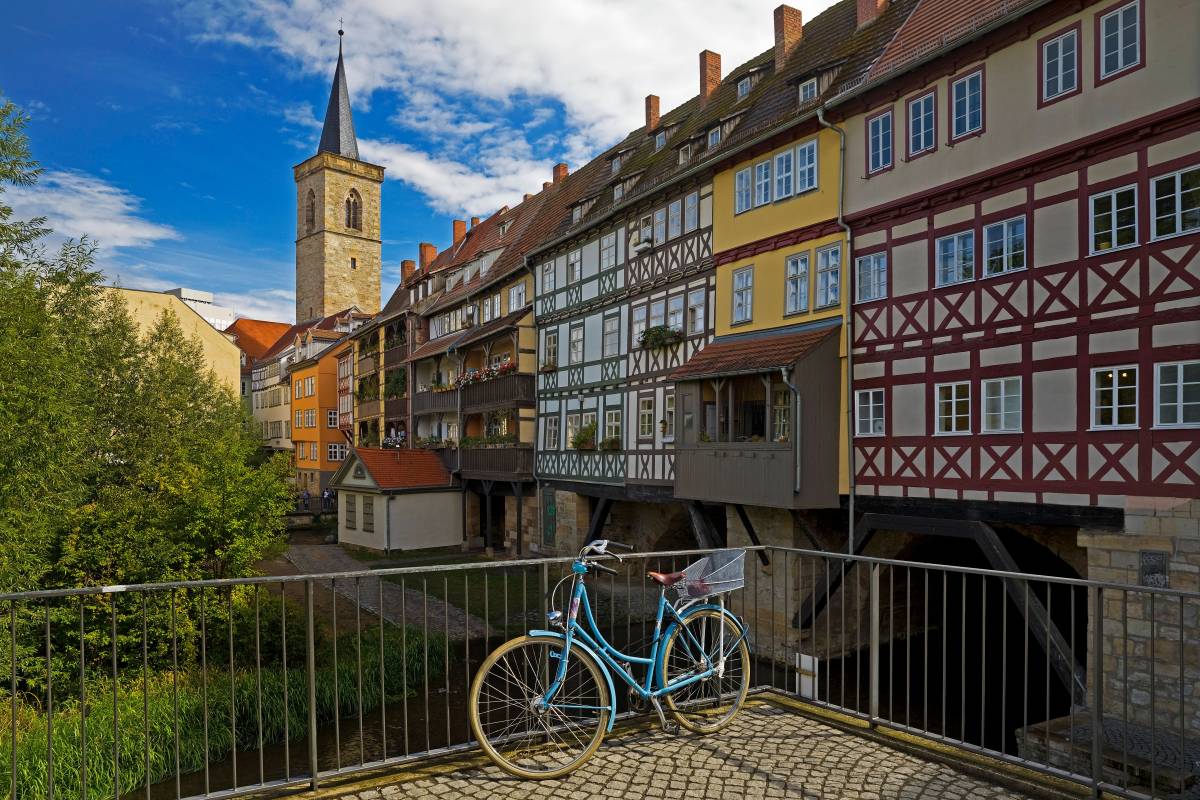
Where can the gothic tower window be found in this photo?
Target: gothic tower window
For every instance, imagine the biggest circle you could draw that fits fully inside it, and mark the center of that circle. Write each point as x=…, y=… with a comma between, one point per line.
x=310, y=212
x=354, y=211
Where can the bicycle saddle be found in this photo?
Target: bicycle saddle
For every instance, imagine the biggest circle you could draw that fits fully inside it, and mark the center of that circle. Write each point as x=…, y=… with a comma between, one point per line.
x=666, y=578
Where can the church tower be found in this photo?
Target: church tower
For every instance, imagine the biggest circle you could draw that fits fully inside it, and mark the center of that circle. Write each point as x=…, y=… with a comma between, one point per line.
x=338, y=251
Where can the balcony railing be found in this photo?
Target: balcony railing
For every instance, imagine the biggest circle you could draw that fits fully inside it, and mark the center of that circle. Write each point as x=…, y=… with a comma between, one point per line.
x=395, y=354
x=749, y=473
x=396, y=407
x=506, y=462
x=367, y=363
x=370, y=408
x=508, y=391
x=430, y=402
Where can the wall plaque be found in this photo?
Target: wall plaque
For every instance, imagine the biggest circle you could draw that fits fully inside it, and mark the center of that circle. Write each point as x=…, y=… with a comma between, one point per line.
x=1152, y=569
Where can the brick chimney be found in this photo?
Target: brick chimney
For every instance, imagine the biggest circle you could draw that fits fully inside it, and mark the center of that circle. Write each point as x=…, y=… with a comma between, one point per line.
x=560, y=172
x=546, y=185
x=651, y=112
x=869, y=11
x=789, y=27
x=710, y=74
x=428, y=253
x=460, y=230
x=526, y=197
x=474, y=221
x=407, y=268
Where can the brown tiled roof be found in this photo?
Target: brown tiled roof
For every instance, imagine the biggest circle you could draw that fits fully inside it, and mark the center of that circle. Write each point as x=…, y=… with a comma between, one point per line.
x=323, y=324
x=404, y=468
x=435, y=346
x=493, y=326
x=748, y=353
x=256, y=336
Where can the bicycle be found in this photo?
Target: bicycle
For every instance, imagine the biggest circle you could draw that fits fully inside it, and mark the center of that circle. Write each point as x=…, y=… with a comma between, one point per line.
x=541, y=703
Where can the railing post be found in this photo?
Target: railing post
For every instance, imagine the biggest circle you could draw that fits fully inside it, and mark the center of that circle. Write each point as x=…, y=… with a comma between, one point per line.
x=1098, y=688
x=874, y=645
x=311, y=658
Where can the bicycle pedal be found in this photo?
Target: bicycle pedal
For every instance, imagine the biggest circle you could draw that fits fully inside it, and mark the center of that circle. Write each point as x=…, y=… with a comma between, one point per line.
x=671, y=728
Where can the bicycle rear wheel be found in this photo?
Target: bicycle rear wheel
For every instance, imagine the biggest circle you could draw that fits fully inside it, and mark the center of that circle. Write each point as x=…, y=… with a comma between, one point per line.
x=706, y=637
x=524, y=736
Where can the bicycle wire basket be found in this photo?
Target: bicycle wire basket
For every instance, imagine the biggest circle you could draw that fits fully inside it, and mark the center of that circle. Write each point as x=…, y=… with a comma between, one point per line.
x=718, y=572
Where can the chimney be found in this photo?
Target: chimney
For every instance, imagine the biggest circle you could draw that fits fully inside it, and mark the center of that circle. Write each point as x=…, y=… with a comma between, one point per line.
x=710, y=74
x=788, y=29
x=526, y=197
x=560, y=172
x=651, y=112
x=546, y=185
x=428, y=253
x=460, y=230
x=474, y=221
x=407, y=268
x=869, y=11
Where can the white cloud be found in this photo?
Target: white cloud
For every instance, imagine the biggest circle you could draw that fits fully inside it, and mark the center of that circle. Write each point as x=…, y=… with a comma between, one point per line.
x=278, y=305
x=468, y=74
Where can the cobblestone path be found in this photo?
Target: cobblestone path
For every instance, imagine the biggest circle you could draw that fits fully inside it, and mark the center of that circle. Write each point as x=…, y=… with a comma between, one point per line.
x=766, y=753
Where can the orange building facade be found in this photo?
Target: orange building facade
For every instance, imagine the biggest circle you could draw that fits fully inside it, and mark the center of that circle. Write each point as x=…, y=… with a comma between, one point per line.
x=319, y=447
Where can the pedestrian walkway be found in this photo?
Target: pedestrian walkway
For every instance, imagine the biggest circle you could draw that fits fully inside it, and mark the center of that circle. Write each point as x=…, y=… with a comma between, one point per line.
x=767, y=752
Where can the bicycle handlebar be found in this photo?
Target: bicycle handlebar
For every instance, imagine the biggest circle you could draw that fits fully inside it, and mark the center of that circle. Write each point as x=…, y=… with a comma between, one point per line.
x=620, y=545
x=598, y=566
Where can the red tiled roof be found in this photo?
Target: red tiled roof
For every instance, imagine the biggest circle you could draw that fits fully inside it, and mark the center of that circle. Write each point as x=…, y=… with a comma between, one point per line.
x=493, y=326
x=749, y=353
x=404, y=468
x=256, y=336
x=432, y=348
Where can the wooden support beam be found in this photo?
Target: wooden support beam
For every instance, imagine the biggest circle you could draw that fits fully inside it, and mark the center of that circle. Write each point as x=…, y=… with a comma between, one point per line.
x=828, y=584
x=702, y=528
x=597, y=522
x=762, y=554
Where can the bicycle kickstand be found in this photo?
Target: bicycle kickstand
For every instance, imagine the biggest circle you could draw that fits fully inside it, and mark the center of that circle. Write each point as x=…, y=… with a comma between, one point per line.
x=669, y=726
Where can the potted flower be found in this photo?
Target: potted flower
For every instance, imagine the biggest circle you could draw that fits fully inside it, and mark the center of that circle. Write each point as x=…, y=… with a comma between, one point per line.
x=549, y=366
x=610, y=443
x=657, y=336
x=585, y=437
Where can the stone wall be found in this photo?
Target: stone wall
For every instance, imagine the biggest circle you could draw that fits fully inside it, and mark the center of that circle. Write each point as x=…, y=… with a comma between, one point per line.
x=529, y=522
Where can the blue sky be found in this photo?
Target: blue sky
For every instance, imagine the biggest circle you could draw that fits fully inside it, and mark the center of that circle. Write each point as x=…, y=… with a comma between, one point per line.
x=168, y=130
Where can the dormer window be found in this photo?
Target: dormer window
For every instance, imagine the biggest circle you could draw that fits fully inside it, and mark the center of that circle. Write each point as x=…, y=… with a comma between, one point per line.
x=504, y=227
x=714, y=136
x=618, y=192
x=660, y=140
x=743, y=87
x=576, y=213
x=685, y=153
x=615, y=164
x=808, y=91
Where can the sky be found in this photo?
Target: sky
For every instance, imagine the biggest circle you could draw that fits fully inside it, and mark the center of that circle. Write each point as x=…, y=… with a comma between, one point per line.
x=167, y=131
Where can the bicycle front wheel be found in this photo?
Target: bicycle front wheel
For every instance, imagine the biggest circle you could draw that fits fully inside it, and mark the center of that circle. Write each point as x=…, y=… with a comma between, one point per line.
x=706, y=637
x=524, y=735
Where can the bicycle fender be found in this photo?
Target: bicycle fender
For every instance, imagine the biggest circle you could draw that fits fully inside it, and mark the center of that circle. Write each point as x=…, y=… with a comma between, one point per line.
x=612, y=692
x=661, y=667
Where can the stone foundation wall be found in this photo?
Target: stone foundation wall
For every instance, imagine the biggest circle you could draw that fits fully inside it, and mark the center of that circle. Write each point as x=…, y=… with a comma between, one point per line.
x=529, y=522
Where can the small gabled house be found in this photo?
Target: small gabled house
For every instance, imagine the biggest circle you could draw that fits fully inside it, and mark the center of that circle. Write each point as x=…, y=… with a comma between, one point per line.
x=397, y=499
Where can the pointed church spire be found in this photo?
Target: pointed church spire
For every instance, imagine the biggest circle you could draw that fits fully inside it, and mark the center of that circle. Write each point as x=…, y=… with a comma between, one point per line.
x=337, y=136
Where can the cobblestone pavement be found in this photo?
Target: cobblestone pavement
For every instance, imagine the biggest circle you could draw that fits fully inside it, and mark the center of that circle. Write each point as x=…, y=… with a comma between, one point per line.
x=767, y=752
x=319, y=558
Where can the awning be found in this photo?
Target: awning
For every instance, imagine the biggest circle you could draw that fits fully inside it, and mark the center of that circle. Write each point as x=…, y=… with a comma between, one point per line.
x=749, y=353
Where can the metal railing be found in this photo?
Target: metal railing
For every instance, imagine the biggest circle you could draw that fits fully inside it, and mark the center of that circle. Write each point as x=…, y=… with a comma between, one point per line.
x=224, y=687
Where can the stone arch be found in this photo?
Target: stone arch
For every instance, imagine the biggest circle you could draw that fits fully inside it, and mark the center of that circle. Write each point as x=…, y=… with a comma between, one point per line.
x=310, y=212
x=354, y=210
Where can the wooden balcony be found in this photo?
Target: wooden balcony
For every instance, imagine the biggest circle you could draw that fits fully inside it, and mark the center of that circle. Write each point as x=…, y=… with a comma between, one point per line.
x=512, y=462
x=508, y=391
x=749, y=473
x=435, y=402
x=396, y=407
x=367, y=363
x=368, y=409
x=395, y=355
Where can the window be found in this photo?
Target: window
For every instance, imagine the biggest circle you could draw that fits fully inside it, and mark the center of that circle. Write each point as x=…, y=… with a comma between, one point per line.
x=368, y=525
x=871, y=277
x=351, y=512
x=762, y=183
x=714, y=137
x=1177, y=393
x=618, y=192
x=1060, y=65
x=955, y=258
x=879, y=143
x=353, y=262
x=574, y=266
x=806, y=166
x=612, y=424
x=516, y=297
x=615, y=165
x=685, y=153
x=953, y=407
x=646, y=229
x=675, y=313
x=354, y=211
x=550, y=440
x=743, y=87
x=575, y=355
x=660, y=225
x=310, y=212
x=639, y=323
x=1114, y=219
x=966, y=102
x=868, y=412
x=1120, y=40
x=1004, y=246
x=829, y=275
x=310, y=386
x=743, y=294
x=691, y=212
x=612, y=335
x=313, y=453
x=781, y=414
x=1177, y=203
x=741, y=191
x=336, y=451
x=1002, y=405
x=660, y=140
x=796, y=284
x=696, y=306
x=299, y=419
x=922, y=124
x=808, y=91
x=550, y=349
x=669, y=414
x=331, y=419
x=1114, y=397
x=783, y=174
x=299, y=389
x=645, y=417
x=674, y=219
x=576, y=213
x=589, y=418
x=657, y=313
x=300, y=451
x=608, y=251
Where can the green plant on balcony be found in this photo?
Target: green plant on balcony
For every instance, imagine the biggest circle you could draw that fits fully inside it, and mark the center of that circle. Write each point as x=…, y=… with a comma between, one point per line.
x=585, y=437
x=486, y=374
x=396, y=384
x=549, y=365
x=368, y=390
x=488, y=440
x=658, y=336
x=440, y=387
x=610, y=443
x=704, y=437
x=430, y=442
x=393, y=341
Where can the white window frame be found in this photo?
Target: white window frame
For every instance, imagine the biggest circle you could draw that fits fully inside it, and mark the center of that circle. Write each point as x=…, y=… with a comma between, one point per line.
x=618, y=192
x=795, y=283
x=743, y=191
x=1060, y=66
x=697, y=306
x=691, y=212
x=876, y=277
x=611, y=338
x=574, y=266
x=639, y=315
x=675, y=219
x=714, y=137
x=660, y=140
x=965, y=84
x=806, y=177
x=516, y=297
x=573, y=425
x=743, y=87
x=829, y=276
x=880, y=143
x=608, y=251
x=658, y=313
x=575, y=345
x=743, y=295
x=1003, y=395
x=669, y=414
x=1179, y=401
x=331, y=418
x=784, y=174
x=660, y=225
x=959, y=248
x=955, y=399
x=762, y=183
x=1134, y=6
x=1112, y=214
x=612, y=424
x=922, y=110
x=1116, y=405
x=646, y=417
x=550, y=438
x=808, y=91
x=614, y=165
x=675, y=312
x=875, y=418
x=1176, y=179
x=550, y=347
x=1009, y=250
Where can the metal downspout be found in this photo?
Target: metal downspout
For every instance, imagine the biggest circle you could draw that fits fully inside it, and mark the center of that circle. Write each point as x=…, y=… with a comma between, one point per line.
x=841, y=221
x=783, y=375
